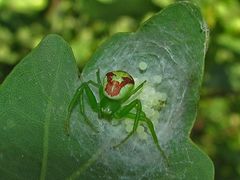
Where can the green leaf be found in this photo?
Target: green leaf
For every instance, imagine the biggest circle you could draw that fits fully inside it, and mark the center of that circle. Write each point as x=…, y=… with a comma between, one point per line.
x=33, y=101
x=35, y=96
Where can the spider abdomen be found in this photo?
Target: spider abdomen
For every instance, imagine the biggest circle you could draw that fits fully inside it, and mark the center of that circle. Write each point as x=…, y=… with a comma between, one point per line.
x=117, y=84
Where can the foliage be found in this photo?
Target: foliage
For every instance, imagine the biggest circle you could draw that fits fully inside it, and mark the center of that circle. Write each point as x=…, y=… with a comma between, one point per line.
x=217, y=128
x=34, y=112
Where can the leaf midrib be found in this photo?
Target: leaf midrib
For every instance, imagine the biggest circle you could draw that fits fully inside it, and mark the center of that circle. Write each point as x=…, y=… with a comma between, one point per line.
x=46, y=127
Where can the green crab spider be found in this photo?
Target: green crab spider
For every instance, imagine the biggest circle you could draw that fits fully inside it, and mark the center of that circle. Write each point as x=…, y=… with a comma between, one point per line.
x=116, y=89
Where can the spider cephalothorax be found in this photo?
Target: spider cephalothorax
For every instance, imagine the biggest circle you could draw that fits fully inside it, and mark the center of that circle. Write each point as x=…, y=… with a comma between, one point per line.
x=117, y=87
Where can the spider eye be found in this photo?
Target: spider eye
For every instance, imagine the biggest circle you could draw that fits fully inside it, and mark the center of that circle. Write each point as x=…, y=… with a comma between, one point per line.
x=117, y=84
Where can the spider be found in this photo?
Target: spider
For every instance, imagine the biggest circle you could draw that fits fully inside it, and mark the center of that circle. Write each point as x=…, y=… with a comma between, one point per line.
x=117, y=87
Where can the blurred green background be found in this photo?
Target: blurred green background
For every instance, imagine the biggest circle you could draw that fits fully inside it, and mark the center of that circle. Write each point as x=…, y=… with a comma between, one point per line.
x=85, y=24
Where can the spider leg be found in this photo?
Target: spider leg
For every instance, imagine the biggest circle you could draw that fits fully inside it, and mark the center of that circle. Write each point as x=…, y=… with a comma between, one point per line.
x=93, y=83
x=134, y=91
x=82, y=111
x=124, y=112
x=126, y=109
x=121, y=113
x=100, y=88
x=152, y=131
x=78, y=97
x=98, y=76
